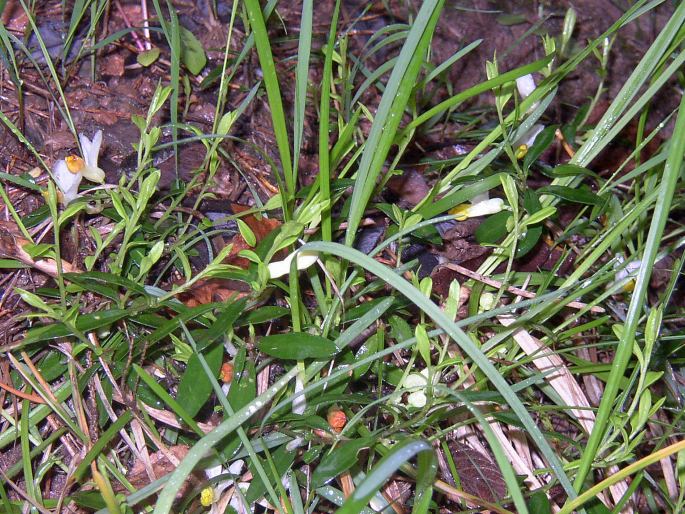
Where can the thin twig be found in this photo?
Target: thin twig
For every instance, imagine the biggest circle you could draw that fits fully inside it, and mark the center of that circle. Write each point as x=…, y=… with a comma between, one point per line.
x=515, y=290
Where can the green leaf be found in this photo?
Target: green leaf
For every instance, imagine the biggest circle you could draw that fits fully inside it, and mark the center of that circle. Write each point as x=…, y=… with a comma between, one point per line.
x=539, y=503
x=89, y=280
x=339, y=460
x=571, y=170
x=531, y=202
x=512, y=19
x=225, y=320
x=244, y=386
x=529, y=241
x=423, y=343
x=493, y=229
x=581, y=194
x=262, y=314
x=192, y=54
x=84, y=323
x=148, y=57
x=297, y=346
x=282, y=461
x=399, y=455
x=195, y=388
x=542, y=142
x=246, y=232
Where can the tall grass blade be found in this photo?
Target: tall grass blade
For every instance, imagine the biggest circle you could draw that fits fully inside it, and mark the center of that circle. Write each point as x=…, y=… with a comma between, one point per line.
x=273, y=91
x=389, y=113
x=624, y=351
x=324, y=120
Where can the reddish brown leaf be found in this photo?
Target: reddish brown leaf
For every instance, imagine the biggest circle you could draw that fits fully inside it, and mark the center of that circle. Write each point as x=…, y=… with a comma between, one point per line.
x=261, y=228
x=478, y=474
x=219, y=289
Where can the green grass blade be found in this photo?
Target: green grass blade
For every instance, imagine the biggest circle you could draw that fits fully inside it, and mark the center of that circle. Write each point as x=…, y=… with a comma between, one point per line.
x=168, y=495
x=644, y=70
x=304, y=47
x=325, y=112
x=273, y=91
x=458, y=335
x=387, y=466
x=625, y=348
x=389, y=113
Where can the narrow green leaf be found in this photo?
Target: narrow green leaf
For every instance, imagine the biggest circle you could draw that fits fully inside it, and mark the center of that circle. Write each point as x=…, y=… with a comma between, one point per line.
x=399, y=455
x=390, y=110
x=577, y=195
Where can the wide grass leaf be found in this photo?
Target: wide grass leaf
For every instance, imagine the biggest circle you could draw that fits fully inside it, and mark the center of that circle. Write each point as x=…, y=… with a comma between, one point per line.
x=297, y=346
x=339, y=460
x=194, y=388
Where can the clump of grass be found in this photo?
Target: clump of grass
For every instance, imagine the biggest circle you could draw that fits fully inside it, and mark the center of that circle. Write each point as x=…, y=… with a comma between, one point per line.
x=351, y=373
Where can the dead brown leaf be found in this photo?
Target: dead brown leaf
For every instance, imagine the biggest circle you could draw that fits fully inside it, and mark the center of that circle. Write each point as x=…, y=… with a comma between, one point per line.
x=219, y=289
x=161, y=464
x=478, y=474
x=12, y=243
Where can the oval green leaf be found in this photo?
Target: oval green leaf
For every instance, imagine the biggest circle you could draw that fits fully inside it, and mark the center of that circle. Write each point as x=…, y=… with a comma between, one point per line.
x=339, y=460
x=297, y=346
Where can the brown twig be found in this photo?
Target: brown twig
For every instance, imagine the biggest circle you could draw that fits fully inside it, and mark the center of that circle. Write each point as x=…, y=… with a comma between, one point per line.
x=24, y=396
x=515, y=290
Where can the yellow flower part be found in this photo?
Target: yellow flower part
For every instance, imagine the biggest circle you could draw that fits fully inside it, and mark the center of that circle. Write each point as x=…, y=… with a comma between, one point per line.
x=207, y=496
x=460, y=212
x=521, y=151
x=629, y=287
x=69, y=172
x=74, y=163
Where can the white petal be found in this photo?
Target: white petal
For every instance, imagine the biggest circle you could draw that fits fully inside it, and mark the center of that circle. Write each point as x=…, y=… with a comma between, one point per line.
x=94, y=174
x=67, y=181
x=300, y=402
x=417, y=399
x=214, y=471
x=628, y=270
x=91, y=149
x=415, y=380
x=485, y=207
x=525, y=85
x=529, y=137
x=304, y=260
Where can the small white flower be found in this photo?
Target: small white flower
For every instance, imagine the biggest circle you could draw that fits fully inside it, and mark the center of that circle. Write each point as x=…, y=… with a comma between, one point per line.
x=525, y=85
x=418, y=398
x=473, y=210
x=304, y=260
x=486, y=302
x=69, y=172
